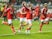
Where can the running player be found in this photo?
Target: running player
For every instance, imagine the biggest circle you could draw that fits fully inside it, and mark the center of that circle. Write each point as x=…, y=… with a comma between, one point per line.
x=37, y=11
x=29, y=18
x=22, y=15
x=9, y=12
x=43, y=15
x=4, y=15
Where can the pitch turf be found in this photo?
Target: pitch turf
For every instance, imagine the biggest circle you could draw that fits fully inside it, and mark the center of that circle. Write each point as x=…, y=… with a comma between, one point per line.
x=6, y=33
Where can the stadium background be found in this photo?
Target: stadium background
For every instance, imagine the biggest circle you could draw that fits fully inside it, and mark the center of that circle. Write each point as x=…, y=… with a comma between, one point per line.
x=17, y=4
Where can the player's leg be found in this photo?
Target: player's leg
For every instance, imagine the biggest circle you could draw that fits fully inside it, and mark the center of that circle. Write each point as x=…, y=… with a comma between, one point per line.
x=41, y=24
x=29, y=26
x=25, y=22
x=21, y=24
x=4, y=20
x=12, y=28
x=11, y=25
x=47, y=21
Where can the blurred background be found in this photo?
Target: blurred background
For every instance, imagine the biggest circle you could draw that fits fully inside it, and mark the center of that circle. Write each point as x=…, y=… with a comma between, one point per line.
x=17, y=4
x=32, y=1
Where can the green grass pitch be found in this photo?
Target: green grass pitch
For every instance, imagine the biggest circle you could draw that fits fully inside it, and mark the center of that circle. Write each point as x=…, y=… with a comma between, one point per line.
x=6, y=33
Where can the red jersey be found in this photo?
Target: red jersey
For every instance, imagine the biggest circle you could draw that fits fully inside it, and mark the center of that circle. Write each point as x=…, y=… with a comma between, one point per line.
x=23, y=9
x=22, y=15
x=37, y=10
x=29, y=14
x=9, y=13
x=51, y=15
x=43, y=13
x=42, y=16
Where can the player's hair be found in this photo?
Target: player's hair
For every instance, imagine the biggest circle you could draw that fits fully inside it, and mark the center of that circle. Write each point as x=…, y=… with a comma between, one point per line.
x=9, y=4
x=23, y=3
x=45, y=5
x=37, y=4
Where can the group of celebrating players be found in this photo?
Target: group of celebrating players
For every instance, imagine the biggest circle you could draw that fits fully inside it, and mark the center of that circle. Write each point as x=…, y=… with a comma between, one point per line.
x=27, y=13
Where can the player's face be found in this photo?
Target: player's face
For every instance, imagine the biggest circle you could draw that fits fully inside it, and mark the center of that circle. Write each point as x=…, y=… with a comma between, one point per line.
x=10, y=6
x=24, y=4
x=5, y=6
x=45, y=6
x=30, y=6
x=38, y=5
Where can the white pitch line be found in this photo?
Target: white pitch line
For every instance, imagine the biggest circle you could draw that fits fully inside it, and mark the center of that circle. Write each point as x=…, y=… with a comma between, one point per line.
x=24, y=33
x=6, y=34
x=41, y=32
x=36, y=32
